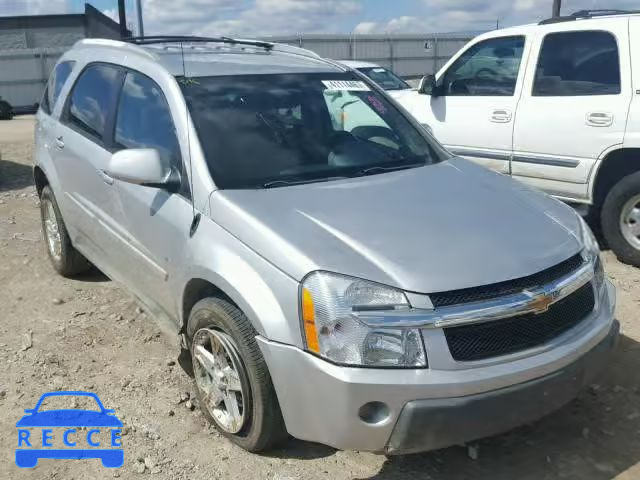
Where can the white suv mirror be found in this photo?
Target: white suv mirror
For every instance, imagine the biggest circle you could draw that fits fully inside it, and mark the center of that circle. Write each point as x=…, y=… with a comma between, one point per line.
x=142, y=166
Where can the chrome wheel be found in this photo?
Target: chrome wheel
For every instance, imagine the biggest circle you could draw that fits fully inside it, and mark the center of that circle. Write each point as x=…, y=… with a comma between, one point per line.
x=219, y=374
x=630, y=221
x=51, y=230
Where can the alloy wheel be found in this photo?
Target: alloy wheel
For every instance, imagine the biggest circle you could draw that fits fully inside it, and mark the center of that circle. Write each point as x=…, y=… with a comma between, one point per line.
x=219, y=375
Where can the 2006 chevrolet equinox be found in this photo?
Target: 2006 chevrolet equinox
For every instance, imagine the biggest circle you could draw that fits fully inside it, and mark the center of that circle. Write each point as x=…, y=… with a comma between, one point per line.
x=335, y=273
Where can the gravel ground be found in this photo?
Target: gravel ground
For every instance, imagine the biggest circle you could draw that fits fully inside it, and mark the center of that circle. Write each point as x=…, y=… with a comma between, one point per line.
x=88, y=334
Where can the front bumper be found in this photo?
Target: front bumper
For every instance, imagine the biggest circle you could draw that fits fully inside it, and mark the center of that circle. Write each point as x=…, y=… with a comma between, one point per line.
x=447, y=404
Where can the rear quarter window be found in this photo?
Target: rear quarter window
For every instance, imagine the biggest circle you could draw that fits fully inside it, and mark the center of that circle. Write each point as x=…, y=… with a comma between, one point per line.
x=56, y=81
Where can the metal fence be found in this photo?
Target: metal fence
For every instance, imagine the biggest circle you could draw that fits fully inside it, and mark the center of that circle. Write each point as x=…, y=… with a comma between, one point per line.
x=410, y=55
x=24, y=72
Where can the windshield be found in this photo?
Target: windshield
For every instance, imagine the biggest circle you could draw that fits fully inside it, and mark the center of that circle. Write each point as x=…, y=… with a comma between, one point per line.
x=263, y=131
x=385, y=78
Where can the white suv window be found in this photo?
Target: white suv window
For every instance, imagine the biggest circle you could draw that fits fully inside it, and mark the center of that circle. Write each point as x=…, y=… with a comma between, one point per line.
x=578, y=63
x=488, y=68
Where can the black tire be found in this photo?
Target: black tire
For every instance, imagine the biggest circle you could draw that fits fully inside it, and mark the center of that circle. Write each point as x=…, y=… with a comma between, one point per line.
x=263, y=427
x=6, y=111
x=70, y=262
x=610, y=214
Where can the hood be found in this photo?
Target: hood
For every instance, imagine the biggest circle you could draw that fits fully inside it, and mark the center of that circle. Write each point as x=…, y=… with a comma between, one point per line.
x=430, y=229
x=403, y=94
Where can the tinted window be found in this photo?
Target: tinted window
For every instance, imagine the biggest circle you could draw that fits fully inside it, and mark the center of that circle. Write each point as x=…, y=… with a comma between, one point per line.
x=44, y=103
x=385, y=78
x=144, y=119
x=578, y=63
x=265, y=130
x=488, y=68
x=91, y=98
x=58, y=77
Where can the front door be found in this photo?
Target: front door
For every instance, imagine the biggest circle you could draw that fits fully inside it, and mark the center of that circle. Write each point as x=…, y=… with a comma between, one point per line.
x=574, y=105
x=155, y=222
x=473, y=109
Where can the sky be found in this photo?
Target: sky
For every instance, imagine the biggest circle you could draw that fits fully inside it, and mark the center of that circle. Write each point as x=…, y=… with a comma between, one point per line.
x=265, y=17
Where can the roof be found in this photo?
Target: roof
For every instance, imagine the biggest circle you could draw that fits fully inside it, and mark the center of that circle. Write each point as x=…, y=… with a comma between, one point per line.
x=571, y=22
x=220, y=58
x=358, y=64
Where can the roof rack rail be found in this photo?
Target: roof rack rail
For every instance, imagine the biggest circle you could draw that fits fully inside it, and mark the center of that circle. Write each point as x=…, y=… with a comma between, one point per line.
x=586, y=14
x=153, y=39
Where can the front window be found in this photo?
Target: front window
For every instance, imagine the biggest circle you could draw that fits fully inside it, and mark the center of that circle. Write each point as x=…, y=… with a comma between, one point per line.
x=264, y=131
x=385, y=78
x=487, y=69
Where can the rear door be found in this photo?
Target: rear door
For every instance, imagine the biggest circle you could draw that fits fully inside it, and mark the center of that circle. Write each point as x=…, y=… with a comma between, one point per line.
x=155, y=223
x=81, y=153
x=574, y=105
x=45, y=117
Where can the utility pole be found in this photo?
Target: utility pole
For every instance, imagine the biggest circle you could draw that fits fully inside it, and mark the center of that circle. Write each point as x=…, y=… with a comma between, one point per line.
x=557, y=4
x=122, y=14
x=139, y=14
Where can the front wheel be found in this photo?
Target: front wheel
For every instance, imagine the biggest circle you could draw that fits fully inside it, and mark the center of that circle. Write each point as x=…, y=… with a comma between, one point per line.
x=232, y=381
x=620, y=218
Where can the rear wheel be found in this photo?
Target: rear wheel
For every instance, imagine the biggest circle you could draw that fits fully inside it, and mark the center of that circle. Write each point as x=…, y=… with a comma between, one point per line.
x=66, y=260
x=620, y=219
x=232, y=381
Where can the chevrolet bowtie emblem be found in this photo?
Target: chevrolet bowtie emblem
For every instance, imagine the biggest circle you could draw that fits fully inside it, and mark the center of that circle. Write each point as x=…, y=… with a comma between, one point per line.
x=541, y=303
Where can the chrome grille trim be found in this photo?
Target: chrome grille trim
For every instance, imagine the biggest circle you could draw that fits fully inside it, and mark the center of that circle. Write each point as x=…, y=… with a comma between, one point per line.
x=535, y=300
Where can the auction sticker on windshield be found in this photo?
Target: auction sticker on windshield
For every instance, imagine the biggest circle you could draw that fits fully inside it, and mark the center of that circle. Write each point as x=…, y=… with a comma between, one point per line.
x=88, y=430
x=348, y=85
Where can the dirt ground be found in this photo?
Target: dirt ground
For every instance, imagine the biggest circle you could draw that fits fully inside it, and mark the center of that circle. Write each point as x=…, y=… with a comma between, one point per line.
x=88, y=334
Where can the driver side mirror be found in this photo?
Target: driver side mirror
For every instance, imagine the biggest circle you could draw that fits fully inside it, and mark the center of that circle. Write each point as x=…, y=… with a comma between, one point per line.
x=428, y=85
x=144, y=167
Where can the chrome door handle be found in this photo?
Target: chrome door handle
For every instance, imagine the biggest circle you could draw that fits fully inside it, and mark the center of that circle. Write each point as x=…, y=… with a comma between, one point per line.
x=105, y=177
x=599, y=119
x=500, y=116
x=60, y=142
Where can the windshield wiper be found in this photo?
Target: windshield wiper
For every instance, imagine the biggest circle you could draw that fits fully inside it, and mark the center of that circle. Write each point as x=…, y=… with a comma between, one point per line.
x=382, y=169
x=286, y=183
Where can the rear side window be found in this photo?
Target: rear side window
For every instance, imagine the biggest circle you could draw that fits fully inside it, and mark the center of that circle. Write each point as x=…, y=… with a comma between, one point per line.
x=578, y=63
x=144, y=119
x=91, y=98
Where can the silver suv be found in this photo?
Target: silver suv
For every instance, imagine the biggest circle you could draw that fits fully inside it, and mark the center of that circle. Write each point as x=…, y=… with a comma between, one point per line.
x=341, y=278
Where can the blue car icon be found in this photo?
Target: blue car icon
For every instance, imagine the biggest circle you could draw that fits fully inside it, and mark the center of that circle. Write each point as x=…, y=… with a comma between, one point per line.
x=95, y=421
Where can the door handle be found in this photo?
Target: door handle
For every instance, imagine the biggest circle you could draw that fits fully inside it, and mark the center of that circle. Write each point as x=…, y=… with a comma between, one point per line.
x=60, y=142
x=105, y=177
x=599, y=119
x=500, y=116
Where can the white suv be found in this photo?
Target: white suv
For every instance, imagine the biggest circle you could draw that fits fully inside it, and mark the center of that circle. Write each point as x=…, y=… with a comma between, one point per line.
x=554, y=105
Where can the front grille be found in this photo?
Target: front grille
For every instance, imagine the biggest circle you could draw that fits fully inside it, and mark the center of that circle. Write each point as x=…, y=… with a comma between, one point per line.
x=496, y=290
x=515, y=334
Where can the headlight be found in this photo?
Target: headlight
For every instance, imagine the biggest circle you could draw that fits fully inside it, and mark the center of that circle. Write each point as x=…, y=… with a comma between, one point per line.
x=591, y=251
x=329, y=305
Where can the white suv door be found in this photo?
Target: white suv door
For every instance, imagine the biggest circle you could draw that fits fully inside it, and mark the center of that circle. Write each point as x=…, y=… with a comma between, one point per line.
x=473, y=108
x=574, y=105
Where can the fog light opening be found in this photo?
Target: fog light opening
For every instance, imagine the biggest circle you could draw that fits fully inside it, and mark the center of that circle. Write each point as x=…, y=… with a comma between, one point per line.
x=374, y=413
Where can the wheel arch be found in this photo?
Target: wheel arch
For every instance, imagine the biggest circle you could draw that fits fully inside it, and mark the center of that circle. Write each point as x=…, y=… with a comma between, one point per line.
x=247, y=292
x=613, y=167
